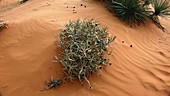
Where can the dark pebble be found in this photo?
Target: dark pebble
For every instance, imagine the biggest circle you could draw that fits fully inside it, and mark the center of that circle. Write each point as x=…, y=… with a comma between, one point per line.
x=130, y=45
x=85, y=6
x=123, y=41
x=74, y=7
x=81, y=5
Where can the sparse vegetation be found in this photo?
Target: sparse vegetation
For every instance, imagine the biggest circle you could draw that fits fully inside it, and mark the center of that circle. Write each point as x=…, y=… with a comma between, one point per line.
x=130, y=11
x=161, y=8
x=12, y=5
x=83, y=43
x=135, y=12
x=3, y=25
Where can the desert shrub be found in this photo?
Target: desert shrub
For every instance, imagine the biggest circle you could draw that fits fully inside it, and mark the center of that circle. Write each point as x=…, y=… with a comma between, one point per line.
x=161, y=7
x=83, y=42
x=135, y=12
x=130, y=11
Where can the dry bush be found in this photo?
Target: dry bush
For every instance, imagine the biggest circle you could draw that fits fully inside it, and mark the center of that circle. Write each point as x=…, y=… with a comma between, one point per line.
x=83, y=43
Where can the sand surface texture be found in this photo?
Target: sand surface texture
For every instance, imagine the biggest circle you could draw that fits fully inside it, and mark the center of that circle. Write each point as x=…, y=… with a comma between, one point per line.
x=29, y=45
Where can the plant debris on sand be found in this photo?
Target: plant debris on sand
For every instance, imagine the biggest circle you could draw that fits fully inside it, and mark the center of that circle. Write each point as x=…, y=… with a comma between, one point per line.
x=83, y=43
x=53, y=83
x=3, y=25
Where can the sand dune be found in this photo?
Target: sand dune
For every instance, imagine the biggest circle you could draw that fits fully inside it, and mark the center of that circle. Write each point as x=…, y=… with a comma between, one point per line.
x=29, y=45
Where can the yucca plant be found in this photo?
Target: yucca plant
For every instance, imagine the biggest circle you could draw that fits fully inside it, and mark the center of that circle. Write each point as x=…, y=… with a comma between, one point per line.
x=130, y=11
x=161, y=8
x=147, y=2
x=83, y=43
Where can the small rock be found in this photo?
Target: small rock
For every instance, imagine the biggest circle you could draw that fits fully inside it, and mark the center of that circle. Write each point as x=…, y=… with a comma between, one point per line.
x=130, y=45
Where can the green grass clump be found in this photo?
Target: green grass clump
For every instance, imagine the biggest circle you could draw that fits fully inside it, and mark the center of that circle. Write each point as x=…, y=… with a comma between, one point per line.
x=135, y=12
x=83, y=43
x=161, y=7
x=130, y=11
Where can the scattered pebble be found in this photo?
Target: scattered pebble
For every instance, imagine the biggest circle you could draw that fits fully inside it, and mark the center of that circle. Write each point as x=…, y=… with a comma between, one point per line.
x=81, y=5
x=85, y=6
x=91, y=87
x=130, y=45
x=67, y=6
x=123, y=41
x=74, y=7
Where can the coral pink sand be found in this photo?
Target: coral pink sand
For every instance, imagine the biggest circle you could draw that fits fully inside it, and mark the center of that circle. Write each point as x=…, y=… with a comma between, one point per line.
x=29, y=45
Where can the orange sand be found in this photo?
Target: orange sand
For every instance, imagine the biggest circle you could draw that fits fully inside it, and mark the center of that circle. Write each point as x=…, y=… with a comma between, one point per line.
x=28, y=46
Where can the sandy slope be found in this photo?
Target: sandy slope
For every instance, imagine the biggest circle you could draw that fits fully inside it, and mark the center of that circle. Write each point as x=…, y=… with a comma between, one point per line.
x=28, y=46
